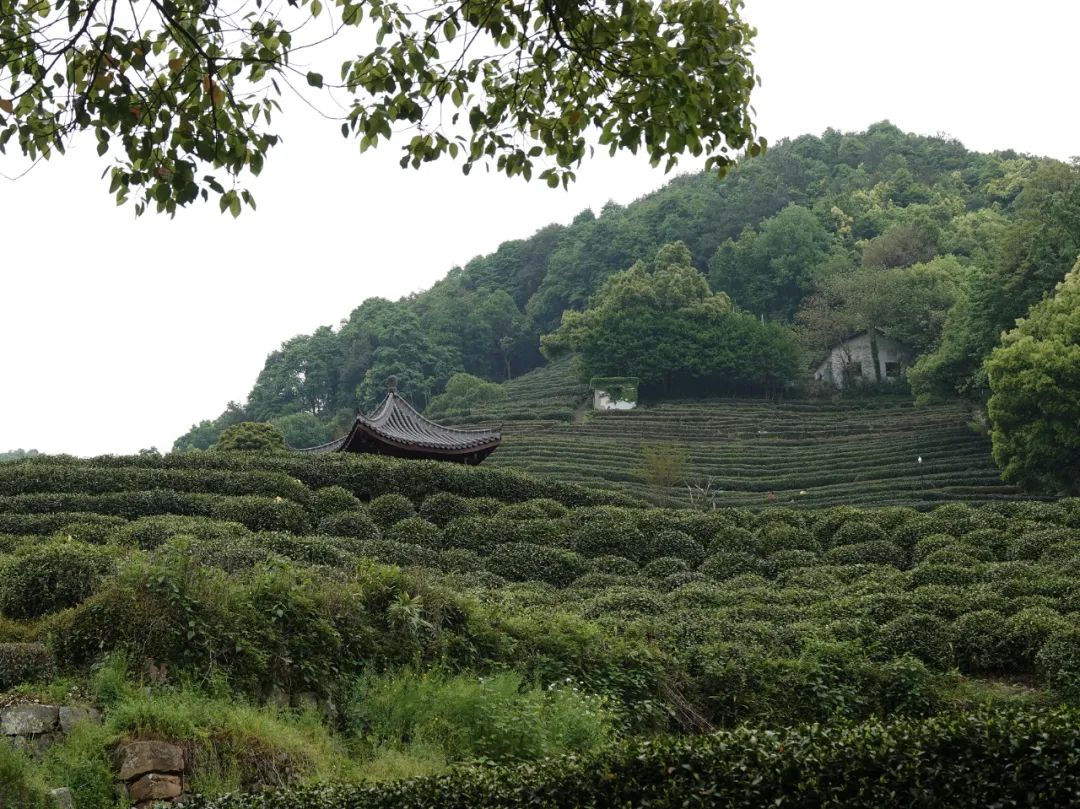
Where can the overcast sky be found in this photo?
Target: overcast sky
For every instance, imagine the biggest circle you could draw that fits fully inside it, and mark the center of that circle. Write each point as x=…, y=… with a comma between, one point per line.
x=117, y=334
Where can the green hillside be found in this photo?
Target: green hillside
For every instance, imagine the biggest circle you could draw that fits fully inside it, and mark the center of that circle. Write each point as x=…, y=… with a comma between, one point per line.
x=858, y=451
x=939, y=246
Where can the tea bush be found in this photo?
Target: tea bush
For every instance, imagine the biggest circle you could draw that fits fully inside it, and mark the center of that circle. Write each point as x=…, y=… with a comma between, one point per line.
x=925, y=637
x=874, y=552
x=24, y=663
x=416, y=531
x=975, y=760
x=520, y=561
x=49, y=577
x=388, y=509
x=356, y=524
x=442, y=507
x=858, y=532
x=333, y=499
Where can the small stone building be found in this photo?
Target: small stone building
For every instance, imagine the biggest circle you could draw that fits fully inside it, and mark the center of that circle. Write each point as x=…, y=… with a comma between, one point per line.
x=852, y=361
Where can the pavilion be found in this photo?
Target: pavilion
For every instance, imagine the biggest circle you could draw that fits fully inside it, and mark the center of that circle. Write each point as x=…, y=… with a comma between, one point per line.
x=396, y=429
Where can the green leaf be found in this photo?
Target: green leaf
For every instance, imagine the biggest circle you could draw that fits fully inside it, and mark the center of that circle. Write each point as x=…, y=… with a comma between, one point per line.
x=314, y=79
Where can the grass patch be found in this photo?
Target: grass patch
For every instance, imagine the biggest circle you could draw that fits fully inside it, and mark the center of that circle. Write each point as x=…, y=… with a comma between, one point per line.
x=466, y=718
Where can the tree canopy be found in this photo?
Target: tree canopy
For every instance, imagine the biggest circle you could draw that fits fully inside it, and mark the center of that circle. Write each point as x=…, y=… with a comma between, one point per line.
x=988, y=235
x=250, y=436
x=180, y=94
x=1035, y=406
x=660, y=322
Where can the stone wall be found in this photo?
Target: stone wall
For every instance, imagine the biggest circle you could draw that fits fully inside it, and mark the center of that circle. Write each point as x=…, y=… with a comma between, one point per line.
x=150, y=772
x=34, y=728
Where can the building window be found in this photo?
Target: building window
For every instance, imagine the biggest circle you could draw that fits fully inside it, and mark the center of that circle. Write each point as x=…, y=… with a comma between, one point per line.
x=892, y=370
x=853, y=369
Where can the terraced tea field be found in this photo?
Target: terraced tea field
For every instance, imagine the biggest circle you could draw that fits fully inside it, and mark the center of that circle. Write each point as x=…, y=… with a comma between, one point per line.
x=806, y=453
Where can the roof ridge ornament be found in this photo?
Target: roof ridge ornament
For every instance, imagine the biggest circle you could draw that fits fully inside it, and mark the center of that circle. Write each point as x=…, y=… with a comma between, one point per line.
x=391, y=384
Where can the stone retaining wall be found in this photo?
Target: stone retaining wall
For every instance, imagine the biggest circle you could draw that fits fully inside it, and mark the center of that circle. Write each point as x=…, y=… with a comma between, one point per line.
x=150, y=772
x=34, y=728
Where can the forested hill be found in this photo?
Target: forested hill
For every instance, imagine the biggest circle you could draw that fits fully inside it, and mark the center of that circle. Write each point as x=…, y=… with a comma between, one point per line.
x=936, y=244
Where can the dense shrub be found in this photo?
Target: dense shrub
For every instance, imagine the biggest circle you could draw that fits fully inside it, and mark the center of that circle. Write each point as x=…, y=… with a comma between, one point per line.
x=24, y=663
x=150, y=532
x=676, y=581
x=857, y=532
x=333, y=499
x=1058, y=662
x=980, y=638
x=934, y=542
x=925, y=637
x=519, y=561
x=674, y=543
x=947, y=574
x=540, y=509
x=610, y=536
x=355, y=524
x=942, y=600
x=829, y=522
x=736, y=539
x=442, y=507
x=781, y=561
x=404, y=554
x=50, y=523
x=459, y=560
x=989, y=544
x=722, y=566
x=94, y=532
x=774, y=537
x=665, y=566
x=1025, y=633
x=1031, y=545
x=479, y=534
x=876, y=552
x=311, y=550
x=417, y=531
x=956, y=555
x=50, y=577
x=956, y=519
x=615, y=565
x=967, y=761
x=907, y=534
x=231, y=555
x=388, y=509
x=624, y=600
x=553, y=533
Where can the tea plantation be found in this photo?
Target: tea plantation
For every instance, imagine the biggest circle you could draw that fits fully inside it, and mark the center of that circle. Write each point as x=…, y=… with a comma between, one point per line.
x=808, y=453
x=329, y=626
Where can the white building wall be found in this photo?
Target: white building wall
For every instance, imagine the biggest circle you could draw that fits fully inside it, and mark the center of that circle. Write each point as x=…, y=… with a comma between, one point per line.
x=892, y=355
x=603, y=401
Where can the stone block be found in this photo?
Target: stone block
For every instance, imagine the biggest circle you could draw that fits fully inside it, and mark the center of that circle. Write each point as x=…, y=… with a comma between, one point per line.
x=155, y=787
x=278, y=698
x=61, y=798
x=29, y=720
x=69, y=717
x=135, y=759
x=41, y=742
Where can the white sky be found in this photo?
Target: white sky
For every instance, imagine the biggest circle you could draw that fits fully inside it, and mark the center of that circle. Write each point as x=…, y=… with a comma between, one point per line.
x=118, y=334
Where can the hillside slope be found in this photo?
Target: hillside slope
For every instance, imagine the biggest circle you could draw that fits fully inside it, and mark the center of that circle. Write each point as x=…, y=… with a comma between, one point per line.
x=849, y=451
